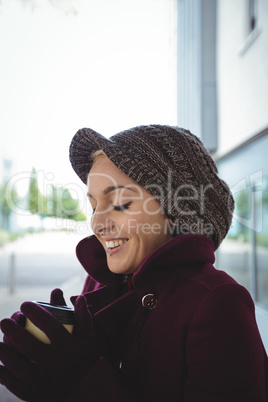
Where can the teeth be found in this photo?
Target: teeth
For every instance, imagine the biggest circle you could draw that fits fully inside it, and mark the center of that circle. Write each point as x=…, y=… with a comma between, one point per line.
x=116, y=243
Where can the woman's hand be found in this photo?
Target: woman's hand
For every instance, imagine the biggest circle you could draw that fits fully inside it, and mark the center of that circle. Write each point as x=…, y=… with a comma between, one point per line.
x=57, y=367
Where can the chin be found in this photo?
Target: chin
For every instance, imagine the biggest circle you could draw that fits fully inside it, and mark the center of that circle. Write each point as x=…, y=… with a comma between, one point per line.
x=116, y=269
x=120, y=270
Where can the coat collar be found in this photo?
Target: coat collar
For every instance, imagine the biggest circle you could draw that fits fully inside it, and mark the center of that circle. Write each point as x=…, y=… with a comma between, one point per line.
x=180, y=251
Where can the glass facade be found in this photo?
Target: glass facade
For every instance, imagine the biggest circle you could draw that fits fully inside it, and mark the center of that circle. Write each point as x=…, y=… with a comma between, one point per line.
x=244, y=252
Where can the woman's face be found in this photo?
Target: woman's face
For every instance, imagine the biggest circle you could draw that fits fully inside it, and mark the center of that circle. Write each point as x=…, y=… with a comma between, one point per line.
x=126, y=219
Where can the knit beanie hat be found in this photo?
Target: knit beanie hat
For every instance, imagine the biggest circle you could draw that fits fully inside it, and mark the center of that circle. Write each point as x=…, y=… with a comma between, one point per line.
x=173, y=165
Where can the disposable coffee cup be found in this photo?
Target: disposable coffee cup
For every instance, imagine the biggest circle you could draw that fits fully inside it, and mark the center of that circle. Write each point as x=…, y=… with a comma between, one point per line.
x=64, y=314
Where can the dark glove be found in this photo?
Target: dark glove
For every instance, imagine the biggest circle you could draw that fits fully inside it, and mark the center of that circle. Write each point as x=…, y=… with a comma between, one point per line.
x=19, y=372
x=56, y=298
x=59, y=366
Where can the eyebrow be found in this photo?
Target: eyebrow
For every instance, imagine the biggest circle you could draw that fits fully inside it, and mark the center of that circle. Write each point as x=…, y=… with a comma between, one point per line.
x=109, y=189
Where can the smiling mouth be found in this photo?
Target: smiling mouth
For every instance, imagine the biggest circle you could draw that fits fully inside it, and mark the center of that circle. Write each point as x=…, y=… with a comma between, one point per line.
x=114, y=246
x=110, y=245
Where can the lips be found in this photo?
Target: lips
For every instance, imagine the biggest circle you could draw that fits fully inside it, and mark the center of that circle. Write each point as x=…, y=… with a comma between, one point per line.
x=112, y=246
x=115, y=243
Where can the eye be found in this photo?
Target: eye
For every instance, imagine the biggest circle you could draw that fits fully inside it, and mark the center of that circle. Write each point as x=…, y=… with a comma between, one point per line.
x=122, y=207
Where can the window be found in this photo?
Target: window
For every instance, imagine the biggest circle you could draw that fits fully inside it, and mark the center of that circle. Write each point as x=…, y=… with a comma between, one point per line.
x=252, y=15
x=261, y=245
x=244, y=252
x=251, y=25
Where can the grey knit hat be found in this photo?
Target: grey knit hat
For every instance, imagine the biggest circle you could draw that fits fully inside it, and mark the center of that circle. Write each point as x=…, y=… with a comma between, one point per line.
x=173, y=165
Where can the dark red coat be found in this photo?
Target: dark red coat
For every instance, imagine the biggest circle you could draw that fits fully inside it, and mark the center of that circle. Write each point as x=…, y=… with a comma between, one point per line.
x=194, y=338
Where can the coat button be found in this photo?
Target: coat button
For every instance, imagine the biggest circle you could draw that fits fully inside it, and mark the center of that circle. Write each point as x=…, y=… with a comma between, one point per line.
x=149, y=301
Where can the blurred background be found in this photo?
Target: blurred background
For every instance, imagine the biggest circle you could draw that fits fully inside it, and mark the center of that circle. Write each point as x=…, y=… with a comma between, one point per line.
x=110, y=65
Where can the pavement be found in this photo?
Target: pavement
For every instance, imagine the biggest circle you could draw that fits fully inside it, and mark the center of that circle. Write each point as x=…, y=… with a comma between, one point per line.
x=10, y=302
x=51, y=242
x=47, y=242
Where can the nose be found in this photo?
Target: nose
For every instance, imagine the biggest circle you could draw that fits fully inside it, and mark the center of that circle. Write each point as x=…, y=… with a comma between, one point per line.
x=101, y=222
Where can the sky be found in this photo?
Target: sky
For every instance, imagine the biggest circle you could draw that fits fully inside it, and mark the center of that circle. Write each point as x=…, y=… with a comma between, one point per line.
x=104, y=64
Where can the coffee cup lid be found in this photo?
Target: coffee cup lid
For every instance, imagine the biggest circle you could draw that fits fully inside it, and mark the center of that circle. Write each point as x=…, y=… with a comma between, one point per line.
x=64, y=314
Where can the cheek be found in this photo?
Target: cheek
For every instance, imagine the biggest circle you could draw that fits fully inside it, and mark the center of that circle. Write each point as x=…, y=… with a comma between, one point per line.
x=151, y=207
x=160, y=229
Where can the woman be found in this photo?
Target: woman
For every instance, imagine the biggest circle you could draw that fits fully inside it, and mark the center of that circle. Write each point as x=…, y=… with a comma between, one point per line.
x=155, y=321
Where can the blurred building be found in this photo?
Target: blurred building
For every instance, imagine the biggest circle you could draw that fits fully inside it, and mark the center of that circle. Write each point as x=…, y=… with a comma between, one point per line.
x=196, y=81
x=223, y=98
x=242, y=79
